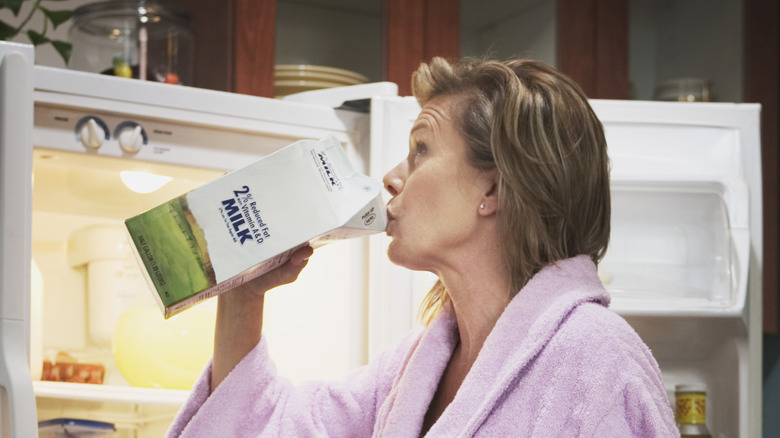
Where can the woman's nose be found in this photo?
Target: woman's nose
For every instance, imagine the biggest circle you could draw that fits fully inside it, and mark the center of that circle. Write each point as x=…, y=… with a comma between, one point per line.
x=393, y=180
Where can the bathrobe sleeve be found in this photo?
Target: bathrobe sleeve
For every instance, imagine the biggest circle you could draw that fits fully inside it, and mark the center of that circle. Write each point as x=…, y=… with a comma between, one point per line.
x=253, y=401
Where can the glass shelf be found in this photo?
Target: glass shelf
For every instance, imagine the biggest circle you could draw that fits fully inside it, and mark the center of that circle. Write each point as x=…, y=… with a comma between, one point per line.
x=107, y=393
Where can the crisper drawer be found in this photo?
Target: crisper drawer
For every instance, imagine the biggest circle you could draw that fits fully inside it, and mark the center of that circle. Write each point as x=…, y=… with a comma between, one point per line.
x=678, y=247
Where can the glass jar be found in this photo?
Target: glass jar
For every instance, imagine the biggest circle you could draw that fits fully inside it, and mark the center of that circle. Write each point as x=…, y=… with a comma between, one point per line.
x=684, y=90
x=133, y=38
x=691, y=411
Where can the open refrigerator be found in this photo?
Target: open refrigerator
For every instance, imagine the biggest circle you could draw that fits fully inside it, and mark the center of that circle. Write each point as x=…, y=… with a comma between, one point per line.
x=74, y=145
x=683, y=267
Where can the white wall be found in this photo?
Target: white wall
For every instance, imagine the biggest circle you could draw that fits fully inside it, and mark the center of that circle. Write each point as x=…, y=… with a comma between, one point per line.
x=686, y=39
x=45, y=54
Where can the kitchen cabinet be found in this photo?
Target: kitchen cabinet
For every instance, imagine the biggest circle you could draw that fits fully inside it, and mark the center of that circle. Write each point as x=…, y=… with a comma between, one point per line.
x=761, y=84
x=238, y=42
x=615, y=49
x=586, y=39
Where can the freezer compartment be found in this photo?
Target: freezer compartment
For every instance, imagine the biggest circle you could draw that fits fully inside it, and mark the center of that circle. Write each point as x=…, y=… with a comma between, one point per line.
x=677, y=246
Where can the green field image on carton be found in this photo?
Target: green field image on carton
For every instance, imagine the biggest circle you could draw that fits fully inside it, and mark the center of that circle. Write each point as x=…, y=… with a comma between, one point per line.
x=177, y=258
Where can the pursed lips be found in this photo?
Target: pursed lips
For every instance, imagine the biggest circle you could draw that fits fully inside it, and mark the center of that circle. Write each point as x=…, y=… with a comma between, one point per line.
x=390, y=219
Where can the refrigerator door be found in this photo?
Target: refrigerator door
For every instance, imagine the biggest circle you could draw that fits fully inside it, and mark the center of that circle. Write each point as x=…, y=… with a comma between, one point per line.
x=685, y=257
x=17, y=403
x=696, y=168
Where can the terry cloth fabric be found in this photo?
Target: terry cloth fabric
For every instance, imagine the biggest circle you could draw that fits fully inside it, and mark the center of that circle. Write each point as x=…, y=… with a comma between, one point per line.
x=558, y=363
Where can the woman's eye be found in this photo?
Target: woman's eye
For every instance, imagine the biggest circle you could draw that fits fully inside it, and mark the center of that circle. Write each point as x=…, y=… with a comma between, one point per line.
x=416, y=152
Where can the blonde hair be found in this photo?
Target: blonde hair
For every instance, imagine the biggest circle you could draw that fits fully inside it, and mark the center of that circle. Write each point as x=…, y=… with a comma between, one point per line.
x=536, y=127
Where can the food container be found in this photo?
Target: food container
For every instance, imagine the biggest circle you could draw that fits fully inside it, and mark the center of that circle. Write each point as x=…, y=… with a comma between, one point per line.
x=153, y=352
x=74, y=428
x=138, y=38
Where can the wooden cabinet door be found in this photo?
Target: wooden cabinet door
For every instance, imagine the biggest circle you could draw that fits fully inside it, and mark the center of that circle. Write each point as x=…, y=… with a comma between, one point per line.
x=762, y=76
x=593, y=46
x=416, y=31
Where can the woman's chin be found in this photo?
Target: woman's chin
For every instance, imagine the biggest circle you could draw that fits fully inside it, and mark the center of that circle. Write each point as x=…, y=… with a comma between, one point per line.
x=403, y=258
x=395, y=254
x=391, y=254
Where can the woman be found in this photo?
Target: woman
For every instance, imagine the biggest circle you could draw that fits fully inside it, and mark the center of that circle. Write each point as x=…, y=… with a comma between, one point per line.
x=504, y=196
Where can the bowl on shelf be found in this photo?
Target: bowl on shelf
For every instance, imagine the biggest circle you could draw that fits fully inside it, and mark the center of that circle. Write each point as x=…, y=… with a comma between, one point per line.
x=297, y=78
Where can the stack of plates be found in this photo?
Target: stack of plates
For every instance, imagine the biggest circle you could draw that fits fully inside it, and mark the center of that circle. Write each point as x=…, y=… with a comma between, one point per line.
x=296, y=78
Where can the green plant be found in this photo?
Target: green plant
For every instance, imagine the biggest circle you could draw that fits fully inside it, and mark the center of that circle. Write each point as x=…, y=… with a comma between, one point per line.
x=55, y=17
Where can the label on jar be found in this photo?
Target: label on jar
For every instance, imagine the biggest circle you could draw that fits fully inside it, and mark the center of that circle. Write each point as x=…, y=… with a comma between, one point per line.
x=691, y=408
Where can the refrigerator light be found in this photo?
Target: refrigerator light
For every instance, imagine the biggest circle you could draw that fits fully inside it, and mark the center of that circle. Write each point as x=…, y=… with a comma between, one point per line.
x=143, y=182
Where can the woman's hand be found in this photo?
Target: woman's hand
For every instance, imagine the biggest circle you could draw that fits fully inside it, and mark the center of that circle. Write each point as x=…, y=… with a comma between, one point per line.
x=285, y=274
x=240, y=315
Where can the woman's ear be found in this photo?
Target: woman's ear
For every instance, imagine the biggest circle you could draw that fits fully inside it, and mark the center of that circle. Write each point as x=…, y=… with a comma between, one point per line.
x=489, y=202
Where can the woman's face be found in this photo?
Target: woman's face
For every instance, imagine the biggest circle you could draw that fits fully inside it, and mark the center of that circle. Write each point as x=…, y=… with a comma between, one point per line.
x=436, y=193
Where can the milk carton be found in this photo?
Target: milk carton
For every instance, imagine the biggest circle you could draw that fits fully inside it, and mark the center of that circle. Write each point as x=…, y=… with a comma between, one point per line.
x=251, y=220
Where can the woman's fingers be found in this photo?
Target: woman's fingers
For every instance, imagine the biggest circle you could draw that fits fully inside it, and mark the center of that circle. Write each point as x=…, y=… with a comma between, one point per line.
x=289, y=271
x=285, y=274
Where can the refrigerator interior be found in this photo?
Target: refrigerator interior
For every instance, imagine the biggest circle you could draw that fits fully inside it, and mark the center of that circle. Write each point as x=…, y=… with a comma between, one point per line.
x=89, y=286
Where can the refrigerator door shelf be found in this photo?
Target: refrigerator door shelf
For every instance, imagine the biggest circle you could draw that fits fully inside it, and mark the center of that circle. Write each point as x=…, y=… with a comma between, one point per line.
x=685, y=139
x=678, y=247
x=709, y=351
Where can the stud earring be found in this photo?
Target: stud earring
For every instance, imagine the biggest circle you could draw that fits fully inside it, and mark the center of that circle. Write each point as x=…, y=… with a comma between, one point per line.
x=482, y=206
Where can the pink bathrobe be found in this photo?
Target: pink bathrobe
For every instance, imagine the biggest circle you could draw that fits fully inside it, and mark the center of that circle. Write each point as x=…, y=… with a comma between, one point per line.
x=558, y=363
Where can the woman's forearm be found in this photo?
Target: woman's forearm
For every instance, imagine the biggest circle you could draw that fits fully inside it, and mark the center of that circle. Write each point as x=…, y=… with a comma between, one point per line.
x=238, y=329
x=240, y=315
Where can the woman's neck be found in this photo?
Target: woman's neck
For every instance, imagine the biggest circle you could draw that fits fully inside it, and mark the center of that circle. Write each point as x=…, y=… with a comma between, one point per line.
x=479, y=293
x=478, y=299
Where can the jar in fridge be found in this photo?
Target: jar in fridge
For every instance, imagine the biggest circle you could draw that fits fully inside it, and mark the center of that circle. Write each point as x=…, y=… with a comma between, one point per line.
x=691, y=411
x=142, y=39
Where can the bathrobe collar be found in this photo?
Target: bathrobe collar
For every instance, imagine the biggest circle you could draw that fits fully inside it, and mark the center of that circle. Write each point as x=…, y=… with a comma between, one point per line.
x=526, y=325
